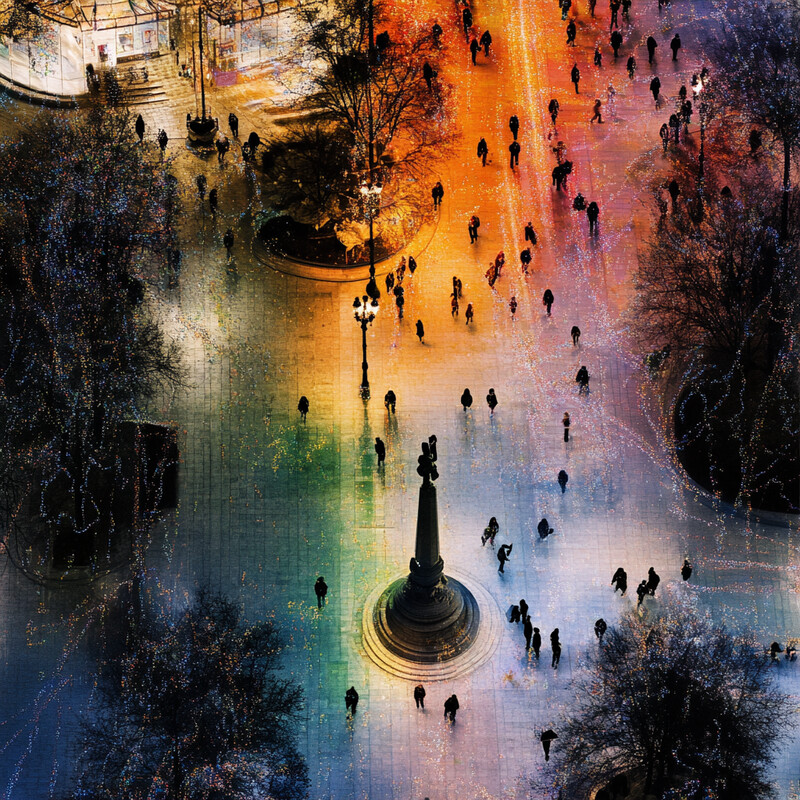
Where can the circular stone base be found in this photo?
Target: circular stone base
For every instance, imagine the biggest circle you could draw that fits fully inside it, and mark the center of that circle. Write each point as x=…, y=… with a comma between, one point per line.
x=436, y=641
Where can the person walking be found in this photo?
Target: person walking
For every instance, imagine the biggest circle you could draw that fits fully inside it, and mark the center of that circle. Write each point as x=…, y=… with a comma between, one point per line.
x=620, y=581
x=486, y=40
x=525, y=258
x=472, y=226
x=664, y=134
x=686, y=569
x=483, y=150
x=466, y=399
x=592, y=6
x=390, y=400
x=223, y=145
x=527, y=631
x=469, y=313
x=490, y=532
x=474, y=49
x=536, y=642
x=419, y=696
x=626, y=10
x=575, y=333
x=530, y=234
x=631, y=66
x=139, y=128
x=555, y=645
x=582, y=379
x=616, y=43
x=503, y=555
x=201, y=182
x=548, y=300
x=380, y=449
x=163, y=140
x=512, y=304
x=553, y=109
x=675, y=45
x=437, y=193
x=565, y=6
x=227, y=241
x=420, y=331
x=400, y=302
x=451, y=706
x=466, y=20
x=514, y=616
x=614, y=7
x=351, y=701
x=651, y=48
x=600, y=627
x=389, y=281
x=562, y=480
x=543, y=528
x=514, y=148
x=233, y=124
x=454, y=305
x=212, y=201
x=321, y=591
x=302, y=407
x=675, y=124
x=641, y=591
x=491, y=401
x=655, y=88
x=597, y=115
x=523, y=609
x=653, y=579
x=571, y=33
x=674, y=190
x=565, y=421
x=575, y=77
x=598, y=57
x=513, y=124
x=437, y=32
x=592, y=213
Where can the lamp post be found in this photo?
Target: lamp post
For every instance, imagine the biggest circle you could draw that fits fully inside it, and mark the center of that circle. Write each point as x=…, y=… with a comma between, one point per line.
x=364, y=312
x=697, y=87
x=371, y=195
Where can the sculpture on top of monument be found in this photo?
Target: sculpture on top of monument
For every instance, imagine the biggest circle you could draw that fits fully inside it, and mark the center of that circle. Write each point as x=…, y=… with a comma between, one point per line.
x=426, y=468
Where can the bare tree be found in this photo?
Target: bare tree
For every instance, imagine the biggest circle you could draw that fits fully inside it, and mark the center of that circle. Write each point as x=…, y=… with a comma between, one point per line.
x=20, y=19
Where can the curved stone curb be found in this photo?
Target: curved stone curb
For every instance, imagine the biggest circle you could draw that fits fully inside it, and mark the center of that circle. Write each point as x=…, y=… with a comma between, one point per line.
x=490, y=632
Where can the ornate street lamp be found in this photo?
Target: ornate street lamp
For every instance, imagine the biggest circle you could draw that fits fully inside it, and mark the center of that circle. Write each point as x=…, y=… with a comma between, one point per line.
x=371, y=195
x=364, y=311
x=697, y=88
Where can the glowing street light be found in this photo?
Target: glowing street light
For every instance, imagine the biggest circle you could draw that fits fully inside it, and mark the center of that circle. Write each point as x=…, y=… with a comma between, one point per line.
x=364, y=311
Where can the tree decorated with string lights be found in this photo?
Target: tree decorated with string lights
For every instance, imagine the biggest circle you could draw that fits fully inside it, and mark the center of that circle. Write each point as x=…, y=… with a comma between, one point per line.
x=683, y=707
x=190, y=703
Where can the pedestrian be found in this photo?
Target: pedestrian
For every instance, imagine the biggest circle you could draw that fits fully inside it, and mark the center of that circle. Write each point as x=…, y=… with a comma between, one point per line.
x=655, y=88
x=491, y=401
x=515, y=616
x=321, y=591
x=546, y=739
x=527, y=631
x=412, y=264
x=565, y=421
x=620, y=581
x=223, y=145
x=682, y=93
x=616, y=43
x=560, y=174
x=483, y=150
x=227, y=240
x=553, y=109
x=675, y=45
x=513, y=124
x=575, y=333
x=474, y=48
x=536, y=642
x=641, y=591
x=598, y=57
x=565, y=6
x=597, y=115
x=675, y=124
x=419, y=696
x=592, y=213
x=437, y=193
x=600, y=627
x=401, y=269
x=390, y=400
x=139, y=127
x=201, y=182
x=614, y=6
x=458, y=287
x=513, y=148
x=351, y=701
x=592, y=4
x=486, y=40
x=579, y=203
x=163, y=139
x=490, y=532
x=525, y=259
x=451, y=706
x=380, y=449
x=560, y=150
x=389, y=281
x=674, y=190
x=562, y=479
x=653, y=580
x=472, y=226
x=626, y=10
x=427, y=74
x=512, y=304
x=575, y=76
x=663, y=132
x=543, y=528
x=420, y=331
x=611, y=101
x=469, y=313
x=212, y=201
x=530, y=234
x=302, y=407
x=254, y=140
x=571, y=32
x=400, y=302
x=466, y=399
x=233, y=124
x=437, y=32
x=651, y=48
x=503, y=555
x=523, y=610
x=547, y=300
x=555, y=645
x=686, y=114
x=582, y=379
x=466, y=19
x=454, y=305
x=631, y=66
x=686, y=569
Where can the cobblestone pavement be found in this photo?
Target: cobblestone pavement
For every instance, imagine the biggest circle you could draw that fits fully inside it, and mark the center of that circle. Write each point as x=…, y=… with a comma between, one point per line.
x=268, y=503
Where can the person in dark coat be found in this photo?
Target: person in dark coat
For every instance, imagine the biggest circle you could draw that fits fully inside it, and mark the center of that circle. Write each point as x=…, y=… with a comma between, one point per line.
x=686, y=569
x=653, y=580
x=544, y=528
x=466, y=399
x=254, y=140
x=641, y=591
x=227, y=241
x=483, y=150
x=474, y=48
x=536, y=642
x=321, y=591
x=302, y=407
x=674, y=190
x=523, y=609
x=616, y=43
x=553, y=108
x=486, y=40
x=575, y=76
x=201, y=182
x=472, y=226
x=212, y=201
x=655, y=88
x=437, y=193
x=419, y=696
x=631, y=66
x=420, y=331
x=582, y=379
x=380, y=449
x=503, y=555
x=592, y=213
x=651, y=48
x=571, y=32
x=351, y=700
x=491, y=401
x=390, y=401
x=548, y=300
x=527, y=630
x=614, y=7
x=466, y=19
x=515, y=616
x=139, y=127
x=600, y=628
x=389, y=281
x=575, y=333
x=555, y=645
x=562, y=480
x=437, y=32
x=525, y=259
x=163, y=140
x=675, y=45
x=513, y=124
x=530, y=234
x=233, y=124
x=451, y=706
x=620, y=581
x=427, y=74
x=514, y=148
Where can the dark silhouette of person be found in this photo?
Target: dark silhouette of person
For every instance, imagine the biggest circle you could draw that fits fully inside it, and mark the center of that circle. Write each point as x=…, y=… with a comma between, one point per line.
x=483, y=150
x=513, y=124
x=163, y=140
x=389, y=281
x=437, y=193
x=451, y=707
x=139, y=127
x=503, y=555
x=420, y=330
x=600, y=628
x=616, y=43
x=544, y=528
x=486, y=40
x=655, y=88
x=565, y=421
x=466, y=19
x=380, y=449
x=514, y=148
x=553, y=108
x=491, y=401
x=351, y=700
x=592, y=213
x=579, y=203
x=436, y=32
x=474, y=48
x=548, y=300
x=523, y=609
x=641, y=591
x=233, y=124
x=515, y=616
x=575, y=76
x=653, y=580
x=302, y=407
x=254, y=140
x=321, y=591
x=390, y=400
x=419, y=696
x=675, y=45
x=472, y=226
x=562, y=479
x=536, y=642
x=530, y=234
x=212, y=201
x=525, y=258
x=674, y=190
x=575, y=333
x=631, y=66
x=686, y=569
x=651, y=48
x=571, y=32
x=546, y=741
x=227, y=241
x=555, y=644
x=466, y=399
x=614, y=7
x=427, y=74
x=527, y=630
x=675, y=124
x=620, y=581
x=201, y=182
x=582, y=379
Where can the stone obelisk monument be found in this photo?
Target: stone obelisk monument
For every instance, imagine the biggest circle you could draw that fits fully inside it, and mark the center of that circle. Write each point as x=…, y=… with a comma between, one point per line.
x=427, y=617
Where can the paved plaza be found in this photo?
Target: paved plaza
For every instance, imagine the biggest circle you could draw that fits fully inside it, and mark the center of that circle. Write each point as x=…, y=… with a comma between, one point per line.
x=268, y=503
